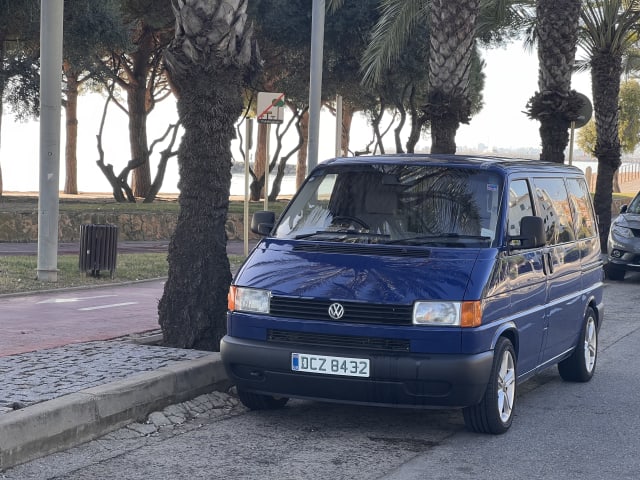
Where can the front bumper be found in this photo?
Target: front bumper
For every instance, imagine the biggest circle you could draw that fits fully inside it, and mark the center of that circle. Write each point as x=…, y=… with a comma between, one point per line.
x=624, y=253
x=397, y=379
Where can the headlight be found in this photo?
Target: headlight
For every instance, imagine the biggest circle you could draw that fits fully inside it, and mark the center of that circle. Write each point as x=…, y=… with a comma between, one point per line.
x=623, y=232
x=448, y=314
x=242, y=299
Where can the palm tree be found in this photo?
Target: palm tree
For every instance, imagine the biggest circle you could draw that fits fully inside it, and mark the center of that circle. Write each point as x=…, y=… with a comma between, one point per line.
x=454, y=27
x=452, y=40
x=207, y=63
x=555, y=105
x=608, y=30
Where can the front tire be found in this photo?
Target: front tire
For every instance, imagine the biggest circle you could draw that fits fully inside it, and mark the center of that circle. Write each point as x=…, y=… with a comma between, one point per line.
x=494, y=413
x=581, y=365
x=257, y=401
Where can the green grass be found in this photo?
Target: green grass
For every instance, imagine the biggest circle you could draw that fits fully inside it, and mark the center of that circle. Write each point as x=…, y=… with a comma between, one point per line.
x=18, y=273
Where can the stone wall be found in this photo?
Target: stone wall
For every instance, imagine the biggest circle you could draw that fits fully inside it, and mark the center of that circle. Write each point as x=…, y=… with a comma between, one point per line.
x=23, y=227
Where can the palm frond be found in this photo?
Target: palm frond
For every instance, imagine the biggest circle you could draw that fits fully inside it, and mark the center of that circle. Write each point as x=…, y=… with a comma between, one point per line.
x=397, y=22
x=609, y=26
x=333, y=5
x=504, y=15
x=631, y=62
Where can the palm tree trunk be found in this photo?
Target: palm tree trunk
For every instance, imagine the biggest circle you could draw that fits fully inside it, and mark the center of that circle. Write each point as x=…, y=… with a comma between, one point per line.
x=192, y=314
x=554, y=105
x=207, y=72
x=452, y=38
x=605, y=82
x=602, y=200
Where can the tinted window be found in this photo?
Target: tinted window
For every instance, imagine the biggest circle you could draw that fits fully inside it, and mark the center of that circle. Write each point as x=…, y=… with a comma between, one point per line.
x=401, y=204
x=520, y=205
x=634, y=206
x=584, y=219
x=555, y=210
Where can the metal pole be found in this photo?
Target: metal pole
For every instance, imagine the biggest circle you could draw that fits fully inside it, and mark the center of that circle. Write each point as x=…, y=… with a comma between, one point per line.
x=338, y=125
x=51, y=19
x=573, y=129
x=248, y=143
x=315, y=81
x=266, y=170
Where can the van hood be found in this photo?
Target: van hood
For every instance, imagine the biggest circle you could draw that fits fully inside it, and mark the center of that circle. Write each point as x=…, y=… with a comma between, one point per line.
x=364, y=273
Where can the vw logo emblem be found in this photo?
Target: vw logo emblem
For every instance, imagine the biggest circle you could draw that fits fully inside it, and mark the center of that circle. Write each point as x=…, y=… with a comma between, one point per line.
x=336, y=311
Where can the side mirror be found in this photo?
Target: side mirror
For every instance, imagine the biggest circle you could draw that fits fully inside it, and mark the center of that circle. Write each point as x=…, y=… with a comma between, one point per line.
x=531, y=233
x=262, y=222
x=623, y=209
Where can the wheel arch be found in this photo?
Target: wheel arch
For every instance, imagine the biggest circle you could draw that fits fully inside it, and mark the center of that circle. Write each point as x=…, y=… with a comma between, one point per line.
x=510, y=332
x=593, y=304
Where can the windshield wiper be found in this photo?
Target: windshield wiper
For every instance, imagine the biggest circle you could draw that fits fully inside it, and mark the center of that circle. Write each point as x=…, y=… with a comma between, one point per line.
x=436, y=238
x=341, y=233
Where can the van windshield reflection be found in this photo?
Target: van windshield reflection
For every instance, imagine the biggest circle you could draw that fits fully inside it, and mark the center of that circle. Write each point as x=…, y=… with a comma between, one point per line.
x=396, y=205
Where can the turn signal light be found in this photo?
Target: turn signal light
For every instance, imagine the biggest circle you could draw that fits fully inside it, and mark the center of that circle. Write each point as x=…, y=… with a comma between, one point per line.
x=471, y=314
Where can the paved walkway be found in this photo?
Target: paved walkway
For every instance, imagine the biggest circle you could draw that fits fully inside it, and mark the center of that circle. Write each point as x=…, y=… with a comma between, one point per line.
x=49, y=352
x=73, y=369
x=41, y=375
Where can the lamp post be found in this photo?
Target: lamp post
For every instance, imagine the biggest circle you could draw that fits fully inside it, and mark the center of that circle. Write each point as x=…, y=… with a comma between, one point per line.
x=315, y=80
x=51, y=19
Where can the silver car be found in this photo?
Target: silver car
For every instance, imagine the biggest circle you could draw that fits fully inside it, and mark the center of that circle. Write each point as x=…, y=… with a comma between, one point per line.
x=623, y=246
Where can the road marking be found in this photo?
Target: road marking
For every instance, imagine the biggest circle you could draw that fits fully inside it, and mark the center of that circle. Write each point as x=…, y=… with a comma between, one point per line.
x=113, y=305
x=74, y=299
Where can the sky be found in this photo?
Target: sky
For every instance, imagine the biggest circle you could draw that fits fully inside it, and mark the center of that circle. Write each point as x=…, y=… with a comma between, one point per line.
x=511, y=79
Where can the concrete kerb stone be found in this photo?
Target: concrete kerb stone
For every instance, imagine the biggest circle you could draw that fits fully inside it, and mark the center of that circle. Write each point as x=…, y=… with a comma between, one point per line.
x=70, y=420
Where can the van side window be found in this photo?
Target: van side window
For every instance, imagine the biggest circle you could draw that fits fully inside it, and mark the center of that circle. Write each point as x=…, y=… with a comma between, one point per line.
x=555, y=210
x=520, y=205
x=584, y=218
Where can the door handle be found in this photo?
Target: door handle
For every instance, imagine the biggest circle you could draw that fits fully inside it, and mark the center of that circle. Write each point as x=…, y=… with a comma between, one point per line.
x=547, y=263
x=550, y=262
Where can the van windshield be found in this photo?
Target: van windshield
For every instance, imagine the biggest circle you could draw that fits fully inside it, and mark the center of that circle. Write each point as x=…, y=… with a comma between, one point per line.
x=396, y=204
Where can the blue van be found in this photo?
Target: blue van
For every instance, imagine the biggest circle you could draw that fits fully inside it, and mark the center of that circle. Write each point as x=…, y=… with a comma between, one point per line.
x=419, y=280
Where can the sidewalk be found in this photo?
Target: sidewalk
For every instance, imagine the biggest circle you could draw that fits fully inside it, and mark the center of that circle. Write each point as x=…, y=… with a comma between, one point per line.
x=52, y=398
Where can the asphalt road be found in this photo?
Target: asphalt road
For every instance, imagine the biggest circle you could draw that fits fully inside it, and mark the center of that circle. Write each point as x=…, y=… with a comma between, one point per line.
x=561, y=431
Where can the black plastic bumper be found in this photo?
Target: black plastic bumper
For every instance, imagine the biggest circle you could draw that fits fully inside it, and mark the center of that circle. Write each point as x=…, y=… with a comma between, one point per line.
x=396, y=379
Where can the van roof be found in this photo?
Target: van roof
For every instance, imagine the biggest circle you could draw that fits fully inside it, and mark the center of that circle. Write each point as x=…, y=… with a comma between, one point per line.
x=481, y=161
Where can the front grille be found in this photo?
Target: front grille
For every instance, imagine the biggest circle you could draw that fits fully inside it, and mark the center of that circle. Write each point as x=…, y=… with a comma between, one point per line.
x=635, y=231
x=354, y=312
x=323, y=340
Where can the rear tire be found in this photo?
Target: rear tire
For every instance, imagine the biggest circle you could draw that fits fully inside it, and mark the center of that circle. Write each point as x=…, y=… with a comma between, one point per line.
x=494, y=413
x=257, y=401
x=581, y=365
x=614, y=272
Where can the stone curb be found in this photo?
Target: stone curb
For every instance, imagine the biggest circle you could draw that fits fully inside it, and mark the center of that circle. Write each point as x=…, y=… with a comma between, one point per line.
x=70, y=420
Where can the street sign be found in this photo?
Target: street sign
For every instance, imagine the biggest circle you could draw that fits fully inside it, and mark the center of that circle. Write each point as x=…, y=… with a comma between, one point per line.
x=585, y=112
x=270, y=107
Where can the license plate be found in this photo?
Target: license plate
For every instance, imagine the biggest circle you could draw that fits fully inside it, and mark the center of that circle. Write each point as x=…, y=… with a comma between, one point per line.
x=349, y=367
